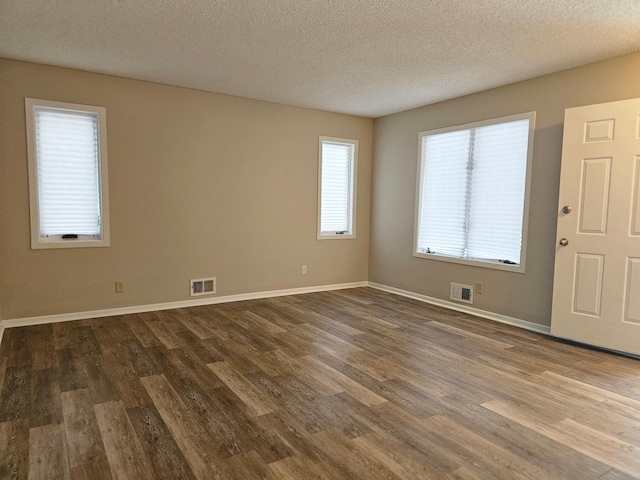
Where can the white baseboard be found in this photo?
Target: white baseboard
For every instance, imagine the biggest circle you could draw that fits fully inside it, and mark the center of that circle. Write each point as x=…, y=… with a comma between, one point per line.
x=65, y=317
x=516, y=322
x=109, y=312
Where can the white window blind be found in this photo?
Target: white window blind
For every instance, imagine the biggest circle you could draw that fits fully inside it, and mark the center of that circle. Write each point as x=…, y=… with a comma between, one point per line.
x=67, y=174
x=336, y=187
x=472, y=189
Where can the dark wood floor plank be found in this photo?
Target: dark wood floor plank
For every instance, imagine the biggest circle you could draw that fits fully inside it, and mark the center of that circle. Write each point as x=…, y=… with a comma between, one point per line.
x=351, y=384
x=123, y=375
x=18, y=349
x=16, y=393
x=42, y=347
x=101, y=388
x=72, y=374
x=14, y=449
x=140, y=330
x=45, y=398
x=167, y=460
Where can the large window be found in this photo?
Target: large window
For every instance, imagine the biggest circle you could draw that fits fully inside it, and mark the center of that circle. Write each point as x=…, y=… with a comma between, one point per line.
x=472, y=192
x=67, y=174
x=337, y=174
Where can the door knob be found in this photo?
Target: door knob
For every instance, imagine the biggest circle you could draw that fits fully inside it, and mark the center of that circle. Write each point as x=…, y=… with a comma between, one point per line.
x=564, y=242
x=566, y=209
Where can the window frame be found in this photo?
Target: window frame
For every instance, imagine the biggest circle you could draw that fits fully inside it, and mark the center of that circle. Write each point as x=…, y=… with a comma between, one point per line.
x=351, y=233
x=56, y=241
x=517, y=268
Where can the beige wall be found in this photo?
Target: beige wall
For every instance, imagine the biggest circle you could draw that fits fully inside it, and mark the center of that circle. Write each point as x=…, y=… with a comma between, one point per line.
x=200, y=185
x=524, y=296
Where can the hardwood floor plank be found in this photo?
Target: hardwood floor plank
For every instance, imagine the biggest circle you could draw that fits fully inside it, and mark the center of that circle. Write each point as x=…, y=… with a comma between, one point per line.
x=249, y=394
x=45, y=398
x=15, y=394
x=608, y=450
x=340, y=380
x=356, y=463
x=156, y=439
x=83, y=440
x=18, y=351
x=143, y=333
x=48, y=453
x=42, y=347
x=124, y=377
x=178, y=418
x=99, y=383
x=14, y=449
x=92, y=471
x=72, y=374
x=126, y=457
x=485, y=455
x=557, y=459
x=399, y=458
x=3, y=369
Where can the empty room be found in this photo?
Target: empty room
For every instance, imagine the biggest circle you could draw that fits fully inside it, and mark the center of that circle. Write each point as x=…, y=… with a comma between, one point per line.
x=287, y=239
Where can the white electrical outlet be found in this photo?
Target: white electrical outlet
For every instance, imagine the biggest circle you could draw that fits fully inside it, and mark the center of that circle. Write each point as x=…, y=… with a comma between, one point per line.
x=304, y=269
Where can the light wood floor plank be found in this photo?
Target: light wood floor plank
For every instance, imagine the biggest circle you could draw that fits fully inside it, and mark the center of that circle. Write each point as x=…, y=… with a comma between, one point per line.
x=126, y=457
x=251, y=396
x=48, y=453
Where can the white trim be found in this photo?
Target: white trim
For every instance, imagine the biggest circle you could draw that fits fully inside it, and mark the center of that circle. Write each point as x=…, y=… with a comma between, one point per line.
x=1, y=332
x=496, y=317
x=65, y=317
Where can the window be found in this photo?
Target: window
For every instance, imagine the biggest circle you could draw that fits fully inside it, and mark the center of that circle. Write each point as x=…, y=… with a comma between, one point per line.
x=473, y=183
x=67, y=174
x=337, y=174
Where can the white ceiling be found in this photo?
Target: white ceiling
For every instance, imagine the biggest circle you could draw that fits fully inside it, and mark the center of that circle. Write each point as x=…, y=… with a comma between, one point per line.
x=363, y=57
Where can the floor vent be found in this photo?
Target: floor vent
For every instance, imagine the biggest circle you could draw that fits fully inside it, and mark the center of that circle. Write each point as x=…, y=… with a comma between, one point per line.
x=461, y=293
x=203, y=286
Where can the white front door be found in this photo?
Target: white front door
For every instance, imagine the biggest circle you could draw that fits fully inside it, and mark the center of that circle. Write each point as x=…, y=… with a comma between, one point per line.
x=596, y=290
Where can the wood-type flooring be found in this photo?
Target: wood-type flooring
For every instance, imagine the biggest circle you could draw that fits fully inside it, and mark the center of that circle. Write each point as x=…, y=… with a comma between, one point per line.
x=349, y=384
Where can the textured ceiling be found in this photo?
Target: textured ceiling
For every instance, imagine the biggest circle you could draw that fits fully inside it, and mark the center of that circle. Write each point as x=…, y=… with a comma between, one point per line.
x=363, y=57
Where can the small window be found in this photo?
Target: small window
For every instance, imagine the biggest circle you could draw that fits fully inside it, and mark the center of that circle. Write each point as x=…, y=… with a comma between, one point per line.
x=472, y=195
x=67, y=174
x=337, y=179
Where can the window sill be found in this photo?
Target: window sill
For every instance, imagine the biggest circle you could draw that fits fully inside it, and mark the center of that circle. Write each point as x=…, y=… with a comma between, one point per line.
x=80, y=243
x=335, y=236
x=475, y=263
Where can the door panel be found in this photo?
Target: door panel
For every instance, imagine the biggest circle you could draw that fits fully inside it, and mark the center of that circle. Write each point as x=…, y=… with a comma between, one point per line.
x=595, y=195
x=587, y=292
x=596, y=292
x=632, y=303
x=635, y=223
